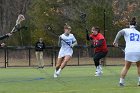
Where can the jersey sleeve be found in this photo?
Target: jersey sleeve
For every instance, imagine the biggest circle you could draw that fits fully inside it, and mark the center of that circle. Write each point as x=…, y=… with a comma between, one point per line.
x=73, y=39
x=119, y=34
x=101, y=37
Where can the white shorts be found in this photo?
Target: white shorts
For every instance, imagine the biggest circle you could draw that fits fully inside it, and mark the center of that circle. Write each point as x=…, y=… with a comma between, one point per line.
x=132, y=56
x=65, y=52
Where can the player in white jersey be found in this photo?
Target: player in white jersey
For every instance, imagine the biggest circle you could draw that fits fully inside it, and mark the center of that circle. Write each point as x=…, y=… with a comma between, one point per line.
x=132, y=49
x=67, y=41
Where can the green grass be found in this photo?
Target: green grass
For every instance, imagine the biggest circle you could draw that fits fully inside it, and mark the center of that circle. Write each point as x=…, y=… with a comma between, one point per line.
x=76, y=79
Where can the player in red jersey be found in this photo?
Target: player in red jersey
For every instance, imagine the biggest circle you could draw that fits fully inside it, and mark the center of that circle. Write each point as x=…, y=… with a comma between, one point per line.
x=98, y=43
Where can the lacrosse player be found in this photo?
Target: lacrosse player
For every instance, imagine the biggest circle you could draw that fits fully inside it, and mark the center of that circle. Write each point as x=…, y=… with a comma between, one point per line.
x=39, y=47
x=132, y=49
x=98, y=43
x=67, y=41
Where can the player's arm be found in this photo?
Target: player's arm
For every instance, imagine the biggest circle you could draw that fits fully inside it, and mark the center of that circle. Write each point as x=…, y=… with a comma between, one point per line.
x=88, y=37
x=5, y=36
x=74, y=43
x=59, y=41
x=36, y=47
x=119, y=34
x=44, y=46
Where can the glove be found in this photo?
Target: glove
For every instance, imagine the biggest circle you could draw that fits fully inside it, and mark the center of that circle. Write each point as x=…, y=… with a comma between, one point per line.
x=90, y=38
x=72, y=45
x=92, y=46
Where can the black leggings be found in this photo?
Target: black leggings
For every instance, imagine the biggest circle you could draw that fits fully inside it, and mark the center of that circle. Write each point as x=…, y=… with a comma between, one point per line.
x=98, y=56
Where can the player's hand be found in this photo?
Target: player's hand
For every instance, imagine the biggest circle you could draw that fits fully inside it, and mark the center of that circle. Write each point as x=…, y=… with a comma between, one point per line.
x=115, y=44
x=72, y=45
x=9, y=34
x=92, y=46
x=2, y=44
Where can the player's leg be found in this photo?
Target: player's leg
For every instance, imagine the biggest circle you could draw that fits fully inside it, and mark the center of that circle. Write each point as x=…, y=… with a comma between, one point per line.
x=138, y=69
x=58, y=64
x=37, y=58
x=41, y=59
x=64, y=63
x=124, y=72
x=97, y=58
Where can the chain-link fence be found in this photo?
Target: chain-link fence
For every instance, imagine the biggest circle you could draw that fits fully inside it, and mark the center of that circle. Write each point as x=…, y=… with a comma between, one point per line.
x=25, y=56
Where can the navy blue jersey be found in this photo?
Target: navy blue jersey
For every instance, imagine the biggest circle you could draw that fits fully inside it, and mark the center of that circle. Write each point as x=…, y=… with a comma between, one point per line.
x=40, y=46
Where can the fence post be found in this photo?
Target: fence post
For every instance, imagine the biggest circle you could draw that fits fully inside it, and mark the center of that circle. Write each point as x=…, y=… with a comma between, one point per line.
x=52, y=56
x=29, y=57
x=5, y=57
x=78, y=55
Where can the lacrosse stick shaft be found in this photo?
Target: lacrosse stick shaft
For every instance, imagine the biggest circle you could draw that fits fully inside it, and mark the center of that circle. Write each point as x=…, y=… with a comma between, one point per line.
x=121, y=48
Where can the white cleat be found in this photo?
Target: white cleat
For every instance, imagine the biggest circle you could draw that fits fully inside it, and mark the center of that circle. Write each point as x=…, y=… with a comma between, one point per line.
x=138, y=83
x=98, y=73
x=55, y=75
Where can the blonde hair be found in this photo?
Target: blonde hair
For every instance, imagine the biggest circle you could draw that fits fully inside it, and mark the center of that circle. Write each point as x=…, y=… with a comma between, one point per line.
x=67, y=26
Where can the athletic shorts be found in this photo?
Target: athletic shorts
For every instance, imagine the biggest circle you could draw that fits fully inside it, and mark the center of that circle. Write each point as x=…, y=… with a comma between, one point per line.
x=132, y=56
x=65, y=52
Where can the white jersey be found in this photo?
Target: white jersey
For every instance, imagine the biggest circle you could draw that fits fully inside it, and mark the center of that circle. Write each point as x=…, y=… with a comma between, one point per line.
x=66, y=45
x=132, y=38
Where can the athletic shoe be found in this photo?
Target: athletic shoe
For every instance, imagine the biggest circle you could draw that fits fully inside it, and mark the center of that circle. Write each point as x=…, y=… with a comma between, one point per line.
x=55, y=75
x=38, y=67
x=121, y=84
x=100, y=67
x=97, y=73
x=42, y=67
x=138, y=83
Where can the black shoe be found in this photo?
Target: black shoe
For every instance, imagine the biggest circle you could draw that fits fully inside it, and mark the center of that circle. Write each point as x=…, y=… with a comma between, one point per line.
x=121, y=84
x=39, y=67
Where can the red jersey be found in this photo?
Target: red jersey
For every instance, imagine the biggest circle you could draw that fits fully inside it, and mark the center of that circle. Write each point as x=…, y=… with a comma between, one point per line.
x=95, y=40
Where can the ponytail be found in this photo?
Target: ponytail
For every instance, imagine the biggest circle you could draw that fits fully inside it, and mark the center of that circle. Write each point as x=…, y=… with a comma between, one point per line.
x=133, y=21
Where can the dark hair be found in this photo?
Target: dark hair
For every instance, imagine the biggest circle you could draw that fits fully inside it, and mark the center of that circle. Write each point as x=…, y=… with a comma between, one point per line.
x=133, y=21
x=97, y=29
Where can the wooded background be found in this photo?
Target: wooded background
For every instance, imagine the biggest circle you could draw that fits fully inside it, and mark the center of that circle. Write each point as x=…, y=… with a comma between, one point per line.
x=109, y=15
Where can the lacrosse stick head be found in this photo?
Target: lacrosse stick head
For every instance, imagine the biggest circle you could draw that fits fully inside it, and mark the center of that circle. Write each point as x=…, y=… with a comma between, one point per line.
x=18, y=21
x=83, y=16
x=20, y=18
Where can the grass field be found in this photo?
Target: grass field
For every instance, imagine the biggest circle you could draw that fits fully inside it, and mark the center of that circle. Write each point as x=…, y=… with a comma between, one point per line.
x=73, y=79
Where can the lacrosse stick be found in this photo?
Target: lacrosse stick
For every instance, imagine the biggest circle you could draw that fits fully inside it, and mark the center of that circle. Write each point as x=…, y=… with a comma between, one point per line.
x=18, y=21
x=121, y=48
x=83, y=19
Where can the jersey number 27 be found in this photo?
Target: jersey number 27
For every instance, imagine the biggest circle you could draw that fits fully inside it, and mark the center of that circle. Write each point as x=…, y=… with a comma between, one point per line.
x=134, y=37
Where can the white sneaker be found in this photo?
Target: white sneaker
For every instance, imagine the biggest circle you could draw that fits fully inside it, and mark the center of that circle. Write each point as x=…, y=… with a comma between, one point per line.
x=55, y=75
x=138, y=83
x=98, y=73
x=100, y=67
